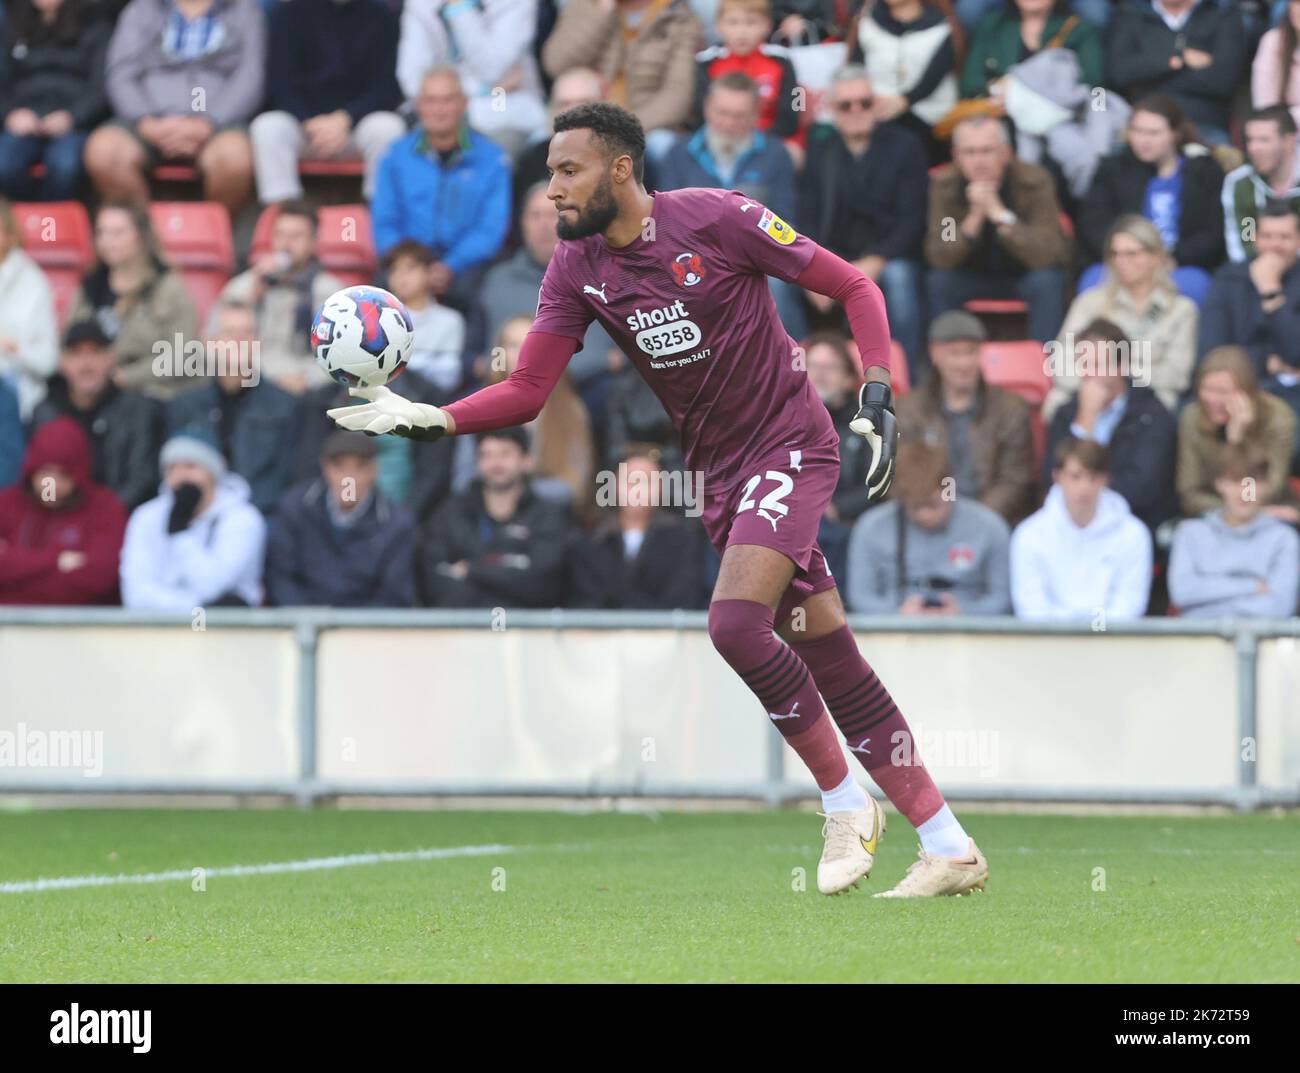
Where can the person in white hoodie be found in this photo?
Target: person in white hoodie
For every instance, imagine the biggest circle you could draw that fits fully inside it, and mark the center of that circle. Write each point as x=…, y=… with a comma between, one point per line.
x=200, y=543
x=1236, y=560
x=29, y=335
x=1083, y=555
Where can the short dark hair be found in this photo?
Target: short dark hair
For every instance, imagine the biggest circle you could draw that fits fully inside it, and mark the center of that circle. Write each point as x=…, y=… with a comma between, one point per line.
x=617, y=129
x=1090, y=454
x=516, y=434
x=1238, y=461
x=1275, y=209
x=738, y=82
x=1101, y=330
x=1274, y=113
x=408, y=247
x=297, y=206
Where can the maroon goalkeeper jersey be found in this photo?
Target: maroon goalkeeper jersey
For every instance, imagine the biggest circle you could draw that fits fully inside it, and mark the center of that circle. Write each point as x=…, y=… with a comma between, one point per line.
x=688, y=302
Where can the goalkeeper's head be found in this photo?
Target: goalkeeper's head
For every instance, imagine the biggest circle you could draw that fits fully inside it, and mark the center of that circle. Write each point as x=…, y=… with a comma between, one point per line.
x=597, y=164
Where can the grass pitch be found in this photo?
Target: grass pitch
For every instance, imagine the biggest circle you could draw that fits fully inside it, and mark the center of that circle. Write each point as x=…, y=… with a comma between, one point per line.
x=621, y=897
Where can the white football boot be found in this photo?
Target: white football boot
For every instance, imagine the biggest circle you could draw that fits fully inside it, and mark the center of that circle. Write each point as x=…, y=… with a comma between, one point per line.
x=851, y=841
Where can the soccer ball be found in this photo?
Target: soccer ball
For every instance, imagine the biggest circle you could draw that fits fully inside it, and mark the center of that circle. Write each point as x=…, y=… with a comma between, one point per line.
x=362, y=336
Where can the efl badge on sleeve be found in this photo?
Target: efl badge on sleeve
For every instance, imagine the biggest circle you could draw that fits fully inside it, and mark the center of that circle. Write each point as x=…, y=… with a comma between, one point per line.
x=777, y=229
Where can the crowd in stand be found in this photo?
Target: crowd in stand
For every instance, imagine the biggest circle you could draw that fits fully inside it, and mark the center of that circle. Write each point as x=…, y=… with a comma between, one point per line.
x=1121, y=175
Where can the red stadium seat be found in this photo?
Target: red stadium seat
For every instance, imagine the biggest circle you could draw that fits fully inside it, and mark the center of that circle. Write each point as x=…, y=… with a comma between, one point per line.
x=998, y=307
x=57, y=236
x=195, y=237
x=1017, y=367
x=176, y=173
x=344, y=243
x=346, y=169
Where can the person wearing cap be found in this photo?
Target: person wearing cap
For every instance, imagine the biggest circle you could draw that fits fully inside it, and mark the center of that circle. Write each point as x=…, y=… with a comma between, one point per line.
x=984, y=430
x=125, y=427
x=254, y=423
x=199, y=543
x=60, y=532
x=337, y=540
x=498, y=544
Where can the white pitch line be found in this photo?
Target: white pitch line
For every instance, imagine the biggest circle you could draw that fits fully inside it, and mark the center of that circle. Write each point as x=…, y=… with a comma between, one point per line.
x=312, y=864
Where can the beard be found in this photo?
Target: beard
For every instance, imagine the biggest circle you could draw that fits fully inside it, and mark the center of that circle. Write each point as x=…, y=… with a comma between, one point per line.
x=600, y=212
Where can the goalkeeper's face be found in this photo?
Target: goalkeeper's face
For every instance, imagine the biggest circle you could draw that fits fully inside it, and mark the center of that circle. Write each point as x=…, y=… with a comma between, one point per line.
x=581, y=185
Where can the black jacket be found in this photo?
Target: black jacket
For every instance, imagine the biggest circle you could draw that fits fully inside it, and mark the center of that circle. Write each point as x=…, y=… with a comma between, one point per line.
x=521, y=562
x=48, y=76
x=667, y=573
x=1142, y=453
x=1140, y=47
x=263, y=437
x=125, y=430
x=850, y=496
x=1120, y=187
x=1232, y=316
x=890, y=201
x=311, y=561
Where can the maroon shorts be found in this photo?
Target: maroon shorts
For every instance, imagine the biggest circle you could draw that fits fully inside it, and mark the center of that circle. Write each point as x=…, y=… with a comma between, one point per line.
x=779, y=504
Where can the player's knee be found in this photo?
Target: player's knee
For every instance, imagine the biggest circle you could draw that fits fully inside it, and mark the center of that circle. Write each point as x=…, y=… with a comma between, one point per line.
x=739, y=629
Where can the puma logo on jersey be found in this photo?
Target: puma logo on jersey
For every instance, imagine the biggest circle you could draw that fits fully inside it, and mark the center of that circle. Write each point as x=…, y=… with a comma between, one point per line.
x=793, y=713
x=773, y=518
x=587, y=288
x=750, y=205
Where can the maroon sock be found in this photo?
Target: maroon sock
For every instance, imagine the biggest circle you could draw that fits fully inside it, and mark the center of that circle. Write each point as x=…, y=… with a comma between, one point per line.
x=741, y=631
x=871, y=723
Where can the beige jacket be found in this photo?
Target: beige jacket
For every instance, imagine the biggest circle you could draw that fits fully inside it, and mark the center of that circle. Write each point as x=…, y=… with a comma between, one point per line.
x=652, y=74
x=285, y=352
x=1165, y=335
x=1200, y=444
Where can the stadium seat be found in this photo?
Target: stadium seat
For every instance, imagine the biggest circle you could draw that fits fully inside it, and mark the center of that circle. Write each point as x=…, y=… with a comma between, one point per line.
x=344, y=243
x=1017, y=367
x=195, y=237
x=346, y=169
x=58, y=237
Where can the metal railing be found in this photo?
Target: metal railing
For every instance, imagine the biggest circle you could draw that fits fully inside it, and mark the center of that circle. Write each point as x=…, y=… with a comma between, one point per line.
x=308, y=623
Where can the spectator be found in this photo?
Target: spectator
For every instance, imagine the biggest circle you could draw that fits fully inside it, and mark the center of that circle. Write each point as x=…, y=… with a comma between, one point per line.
x=286, y=285
x=137, y=299
x=909, y=50
x=199, y=543
x=644, y=49
x=581, y=85
x=646, y=557
x=743, y=26
x=729, y=152
x=183, y=77
x=1164, y=174
x=1137, y=294
x=1236, y=560
x=1019, y=29
x=638, y=421
x=1129, y=420
x=497, y=544
x=809, y=22
x=28, y=331
x=929, y=550
x=1275, y=73
x=447, y=187
x=1230, y=409
x=438, y=352
x=994, y=229
x=1256, y=304
x=510, y=290
x=1271, y=174
x=53, y=94
x=1195, y=52
x=124, y=427
x=863, y=198
x=563, y=461
x=60, y=532
x=1284, y=383
x=337, y=541
x=417, y=475
x=11, y=436
x=253, y=423
x=491, y=44
x=322, y=104
x=983, y=430
x=1082, y=555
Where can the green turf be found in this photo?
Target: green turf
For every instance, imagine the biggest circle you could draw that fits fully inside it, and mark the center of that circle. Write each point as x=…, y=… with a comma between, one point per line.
x=703, y=896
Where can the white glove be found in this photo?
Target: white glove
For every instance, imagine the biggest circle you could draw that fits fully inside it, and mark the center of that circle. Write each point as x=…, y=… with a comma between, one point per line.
x=385, y=411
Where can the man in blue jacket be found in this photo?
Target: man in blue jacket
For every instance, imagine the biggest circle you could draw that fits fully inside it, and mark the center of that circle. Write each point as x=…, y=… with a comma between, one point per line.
x=447, y=187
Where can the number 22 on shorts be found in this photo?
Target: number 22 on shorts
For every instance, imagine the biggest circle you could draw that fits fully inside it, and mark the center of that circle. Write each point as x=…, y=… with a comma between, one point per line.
x=770, y=506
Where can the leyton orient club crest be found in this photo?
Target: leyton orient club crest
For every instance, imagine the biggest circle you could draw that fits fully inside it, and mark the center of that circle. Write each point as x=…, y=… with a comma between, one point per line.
x=688, y=269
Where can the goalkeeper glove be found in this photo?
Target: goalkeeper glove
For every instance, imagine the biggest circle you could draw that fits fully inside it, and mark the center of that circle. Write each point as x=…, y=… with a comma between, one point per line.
x=385, y=411
x=875, y=423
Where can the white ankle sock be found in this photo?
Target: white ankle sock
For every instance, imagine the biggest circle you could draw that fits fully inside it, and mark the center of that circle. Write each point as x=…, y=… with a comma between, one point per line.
x=848, y=796
x=942, y=836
